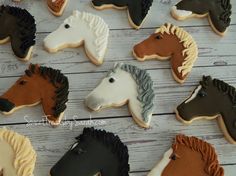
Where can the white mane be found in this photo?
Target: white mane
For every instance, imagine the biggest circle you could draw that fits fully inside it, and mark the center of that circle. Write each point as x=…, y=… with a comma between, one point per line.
x=97, y=25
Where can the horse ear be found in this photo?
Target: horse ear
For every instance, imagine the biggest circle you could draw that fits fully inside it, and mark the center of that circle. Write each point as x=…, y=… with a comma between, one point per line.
x=76, y=13
x=116, y=65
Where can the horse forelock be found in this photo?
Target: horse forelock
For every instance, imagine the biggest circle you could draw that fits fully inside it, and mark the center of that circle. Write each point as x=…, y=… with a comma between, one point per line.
x=59, y=81
x=205, y=149
x=112, y=142
x=191, y=50
x=225, y=16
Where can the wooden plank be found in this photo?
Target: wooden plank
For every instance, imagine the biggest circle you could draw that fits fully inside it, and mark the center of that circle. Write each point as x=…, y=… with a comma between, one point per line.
x=146, y=147
x=168, y=93
x=159, y=14
x=213, y=51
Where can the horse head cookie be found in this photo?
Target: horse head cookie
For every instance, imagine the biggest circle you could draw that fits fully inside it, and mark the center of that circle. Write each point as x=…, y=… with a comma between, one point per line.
x=125, y=84
x=17, y=154
x=217, y=11
x=137, y=9
x=81, y=29
x=189, y=156
x=18, y=26
x=96, y=152
x=39, y=85
x=170, y=42
x=211, y=99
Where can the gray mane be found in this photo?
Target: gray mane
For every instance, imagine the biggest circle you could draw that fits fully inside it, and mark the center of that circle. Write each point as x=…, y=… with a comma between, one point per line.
x=145, y=87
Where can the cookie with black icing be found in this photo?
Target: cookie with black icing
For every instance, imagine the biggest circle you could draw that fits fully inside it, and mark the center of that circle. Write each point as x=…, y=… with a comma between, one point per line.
x=95, y=152
x=18, y=26
x=217, y=11
x=211, y=99
x=137, y=9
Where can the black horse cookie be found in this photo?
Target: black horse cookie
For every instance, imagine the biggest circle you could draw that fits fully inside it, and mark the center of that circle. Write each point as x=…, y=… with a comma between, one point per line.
x=211, y=99
x=96, y=152
x=18, y=26
x=217, y=11
x=137, y=9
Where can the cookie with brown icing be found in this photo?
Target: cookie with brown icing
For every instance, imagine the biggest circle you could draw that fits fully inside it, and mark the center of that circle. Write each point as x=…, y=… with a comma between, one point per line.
x=57, y=6
x=40, y=84
x=217, y=11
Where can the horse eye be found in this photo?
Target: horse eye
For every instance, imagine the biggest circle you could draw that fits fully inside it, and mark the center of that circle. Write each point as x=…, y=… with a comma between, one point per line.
x=67, y=26
x=111, y=80
x=158, y=37
x=202, y=93
x=173, y=157
x=22, y=82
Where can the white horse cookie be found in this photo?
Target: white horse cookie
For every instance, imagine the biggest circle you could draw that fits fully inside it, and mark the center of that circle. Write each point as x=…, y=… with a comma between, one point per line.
x=17, y=154
x=81, y=29
x=125, y=84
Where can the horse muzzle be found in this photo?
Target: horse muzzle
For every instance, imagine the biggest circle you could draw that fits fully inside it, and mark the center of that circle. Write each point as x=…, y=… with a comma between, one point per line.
x=93, y=103
x=6, y=105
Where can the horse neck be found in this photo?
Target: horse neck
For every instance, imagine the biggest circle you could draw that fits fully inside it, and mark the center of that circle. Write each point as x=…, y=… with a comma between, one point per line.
x=7, y=154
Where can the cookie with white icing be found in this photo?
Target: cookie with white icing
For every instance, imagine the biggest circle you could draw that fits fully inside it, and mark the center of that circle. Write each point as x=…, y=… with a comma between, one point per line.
x=81, y=28
x=125, y=84
x=217, y=11
x=137, y=9
x=203, y=157
x=17, y=154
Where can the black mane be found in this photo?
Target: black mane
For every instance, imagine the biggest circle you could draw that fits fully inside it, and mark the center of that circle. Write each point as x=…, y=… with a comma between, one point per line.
x=221, y=86
x=114, y=143
x=59, y=81
x=25, y=25
x=225, y=16
x=146, y=4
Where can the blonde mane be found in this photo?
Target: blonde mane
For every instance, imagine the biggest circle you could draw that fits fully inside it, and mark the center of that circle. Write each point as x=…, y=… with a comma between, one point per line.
x=191, y=49
x=208, y=153
x=97, y=25
x=25, y=156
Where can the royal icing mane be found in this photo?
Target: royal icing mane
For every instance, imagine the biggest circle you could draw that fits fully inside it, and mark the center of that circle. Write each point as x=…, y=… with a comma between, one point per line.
x=24, y=154
x=20, y=30
x=78, y=28
x=191, y=49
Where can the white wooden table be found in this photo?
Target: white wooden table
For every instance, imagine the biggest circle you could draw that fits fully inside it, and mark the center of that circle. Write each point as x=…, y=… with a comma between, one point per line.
x=217, y=58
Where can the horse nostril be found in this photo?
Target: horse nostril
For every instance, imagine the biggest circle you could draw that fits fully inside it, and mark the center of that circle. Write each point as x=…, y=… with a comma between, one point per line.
x=6, y=105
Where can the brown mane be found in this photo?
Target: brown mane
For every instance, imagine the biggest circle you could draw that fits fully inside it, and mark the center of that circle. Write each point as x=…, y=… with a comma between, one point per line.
x=208, y=153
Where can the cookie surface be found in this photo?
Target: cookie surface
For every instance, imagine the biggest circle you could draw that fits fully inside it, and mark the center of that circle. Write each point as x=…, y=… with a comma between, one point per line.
x=17, y=154
x=39, y=85
x=211, y=99
x=125, y=84
x=203, y=157
x=81, y=28
x=95, y=152
x=217, y=11
x=20, y=29
x=137, y=10
x=170, y=42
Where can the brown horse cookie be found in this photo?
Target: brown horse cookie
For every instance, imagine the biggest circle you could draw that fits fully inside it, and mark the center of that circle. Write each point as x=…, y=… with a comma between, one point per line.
x=217, y=11
x=170, y=42
x=199, y=156
x=39, y=85
x=211, y=99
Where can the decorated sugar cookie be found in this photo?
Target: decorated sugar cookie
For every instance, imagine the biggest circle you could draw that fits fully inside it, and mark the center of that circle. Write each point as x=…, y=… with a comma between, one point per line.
x=137, y=9
x=211, y=99
x=55, y=6
x=18, y=26
x=39, y=85
x=189, y=156
x=217, y=11
x=96, y=152
x=125, y=84
x=17, y=154
x=170, y=42
x=81, y=28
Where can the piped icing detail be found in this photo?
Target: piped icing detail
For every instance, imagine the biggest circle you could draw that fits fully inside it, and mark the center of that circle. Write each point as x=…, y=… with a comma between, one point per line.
x=111, y=156
x=78, y=28
x=129, y=84
x=24, y=154
x=20, y=29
